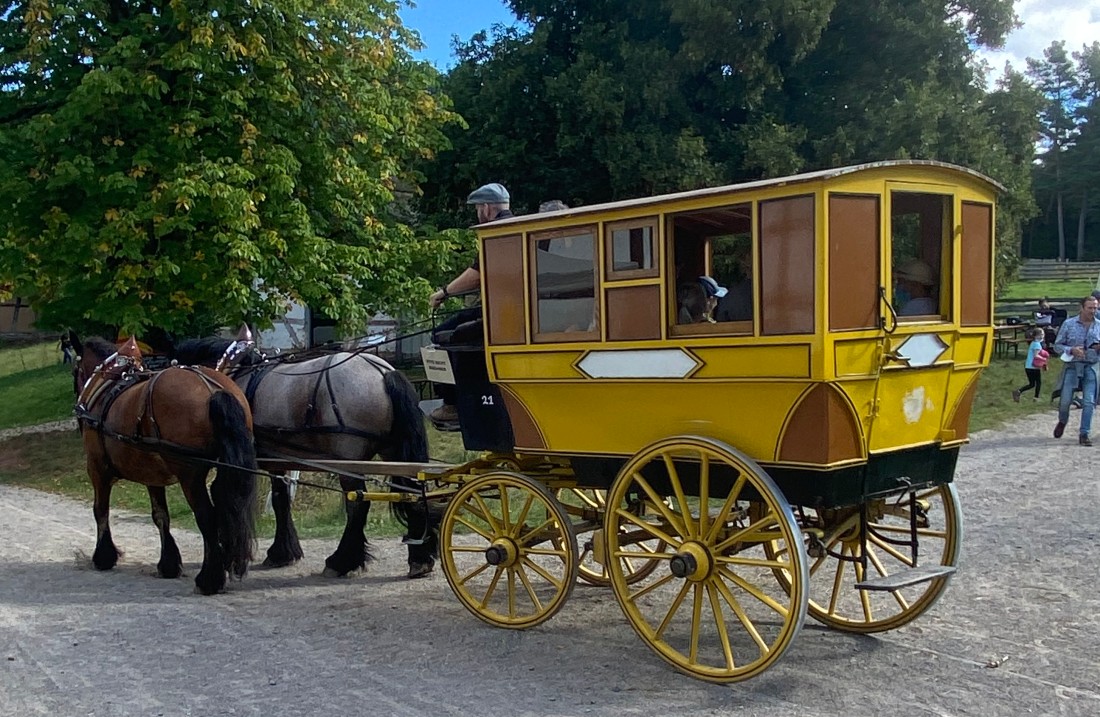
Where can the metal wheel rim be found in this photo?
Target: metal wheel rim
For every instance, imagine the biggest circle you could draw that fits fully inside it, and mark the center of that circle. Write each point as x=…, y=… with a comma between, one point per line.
x=533, y=588
x=737, y=622
x=835, y=602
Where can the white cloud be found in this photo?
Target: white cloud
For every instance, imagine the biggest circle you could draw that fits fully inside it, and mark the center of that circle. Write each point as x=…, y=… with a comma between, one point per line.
x=1044, y=21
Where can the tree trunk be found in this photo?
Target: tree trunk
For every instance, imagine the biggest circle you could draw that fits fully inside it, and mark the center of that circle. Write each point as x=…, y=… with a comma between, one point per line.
x=1081, y=224
x=1061, y=230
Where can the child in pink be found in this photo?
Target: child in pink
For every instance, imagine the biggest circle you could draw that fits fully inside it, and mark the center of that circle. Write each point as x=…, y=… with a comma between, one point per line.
x=1034, y=365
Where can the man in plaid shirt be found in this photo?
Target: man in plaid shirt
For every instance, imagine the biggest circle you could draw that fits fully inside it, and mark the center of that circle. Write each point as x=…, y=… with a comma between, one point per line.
x=1078, y=343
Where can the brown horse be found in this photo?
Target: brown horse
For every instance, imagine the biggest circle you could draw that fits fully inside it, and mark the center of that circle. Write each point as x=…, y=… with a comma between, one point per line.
x=162, y=427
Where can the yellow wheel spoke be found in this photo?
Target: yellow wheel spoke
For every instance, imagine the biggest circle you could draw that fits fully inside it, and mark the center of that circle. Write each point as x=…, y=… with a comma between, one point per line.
x=477, y=529
x=556, y=552
x=720, y=624
x=474, y=573
x=704, y=494
x=633, y=597
x=838, y=580
x=511, y=591
x=681, y=499
x=742, y=616
x=873, y=557
x=530, y=590
x=523, y=539
x=767, y=521
x=727, y=506
x=523, y=513
x=659, y=504
x=543, y=573
x=696, y=622
x=900, y=530
x=891, y=550
x=753, y=590
x=505, y=514
x=677, y=601
x=492, y=586
x=752, y=562
x=487, y=515
x=864, y=595
x=628, y=554
x=647, y=527
x=467, y=549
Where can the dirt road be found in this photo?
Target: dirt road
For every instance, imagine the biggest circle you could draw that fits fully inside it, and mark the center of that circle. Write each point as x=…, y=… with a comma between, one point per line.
x=1018, y=631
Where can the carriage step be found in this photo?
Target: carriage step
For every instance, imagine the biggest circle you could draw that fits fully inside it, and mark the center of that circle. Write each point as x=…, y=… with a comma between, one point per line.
x=905, y=578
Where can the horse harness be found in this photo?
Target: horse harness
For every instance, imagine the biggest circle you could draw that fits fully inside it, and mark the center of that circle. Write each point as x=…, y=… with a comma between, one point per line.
x=104, y=395
x=279, y=434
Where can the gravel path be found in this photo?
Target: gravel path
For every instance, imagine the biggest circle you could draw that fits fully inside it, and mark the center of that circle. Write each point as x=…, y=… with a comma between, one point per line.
x=1017, y=632
x=65, y=424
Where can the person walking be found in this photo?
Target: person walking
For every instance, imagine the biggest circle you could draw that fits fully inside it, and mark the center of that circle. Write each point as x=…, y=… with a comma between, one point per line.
x=1078, y=343
x=1034, y=365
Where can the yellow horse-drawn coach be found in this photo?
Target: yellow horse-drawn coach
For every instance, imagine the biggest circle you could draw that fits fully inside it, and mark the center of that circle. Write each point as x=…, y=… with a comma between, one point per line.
x=733, y=405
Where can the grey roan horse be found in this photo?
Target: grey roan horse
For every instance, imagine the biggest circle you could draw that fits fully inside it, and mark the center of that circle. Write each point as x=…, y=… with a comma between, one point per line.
x=341, y=406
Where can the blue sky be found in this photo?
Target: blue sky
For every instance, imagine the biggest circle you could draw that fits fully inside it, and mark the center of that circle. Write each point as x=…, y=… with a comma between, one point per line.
x=438, y=20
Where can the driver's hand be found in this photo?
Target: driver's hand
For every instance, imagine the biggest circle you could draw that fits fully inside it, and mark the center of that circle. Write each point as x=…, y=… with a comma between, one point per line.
x=436, y=299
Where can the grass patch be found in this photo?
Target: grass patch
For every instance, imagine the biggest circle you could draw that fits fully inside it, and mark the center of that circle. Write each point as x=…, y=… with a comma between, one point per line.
x=1052, y=288
x=36, y=396
x=16, y=357
x=993, y=404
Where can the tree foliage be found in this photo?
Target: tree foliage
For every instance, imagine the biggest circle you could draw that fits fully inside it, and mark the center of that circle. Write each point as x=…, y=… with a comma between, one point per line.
x=186, y=164
x=597, y=101
x=1066, y=175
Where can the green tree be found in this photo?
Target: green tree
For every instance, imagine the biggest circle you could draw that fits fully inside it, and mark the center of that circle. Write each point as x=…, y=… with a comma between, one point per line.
x=189, y=164
x=1056, y=78
x=598, y=101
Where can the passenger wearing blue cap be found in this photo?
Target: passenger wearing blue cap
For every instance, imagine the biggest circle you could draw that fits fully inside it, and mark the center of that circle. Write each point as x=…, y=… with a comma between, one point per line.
x=698, y=299
x=491, y=202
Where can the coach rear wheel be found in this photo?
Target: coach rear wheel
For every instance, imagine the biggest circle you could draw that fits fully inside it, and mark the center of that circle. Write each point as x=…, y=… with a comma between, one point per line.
x=508, y=550
x=836, y=548
x=711, y=607
x=588, y=506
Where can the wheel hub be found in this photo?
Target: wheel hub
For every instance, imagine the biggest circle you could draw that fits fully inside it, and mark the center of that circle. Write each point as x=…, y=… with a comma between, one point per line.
x=693, y=562
x=502, y=552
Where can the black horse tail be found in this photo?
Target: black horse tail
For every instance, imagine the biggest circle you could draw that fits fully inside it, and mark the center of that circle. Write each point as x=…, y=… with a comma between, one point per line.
x=234, y=488
x=408, y=435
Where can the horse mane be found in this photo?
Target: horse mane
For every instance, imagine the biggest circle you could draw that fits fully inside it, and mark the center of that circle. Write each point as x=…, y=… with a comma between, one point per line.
x=206, y=352
x=100, y=346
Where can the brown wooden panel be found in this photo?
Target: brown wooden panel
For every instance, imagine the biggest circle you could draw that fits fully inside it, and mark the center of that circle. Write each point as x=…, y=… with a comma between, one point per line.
x=503, y=270
x=634, y=313
x=960, y=421
x=854, y=223
x=977, y=249
x=787, y=259
x=524, y=429
x=823, y=430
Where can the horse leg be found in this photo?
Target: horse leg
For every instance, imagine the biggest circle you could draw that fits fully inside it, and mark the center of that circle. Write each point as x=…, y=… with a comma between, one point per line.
x=285, y=548
x=352, y=553
x=106, y=554
x=171, y=564
x=211, y=578
x=422, y=538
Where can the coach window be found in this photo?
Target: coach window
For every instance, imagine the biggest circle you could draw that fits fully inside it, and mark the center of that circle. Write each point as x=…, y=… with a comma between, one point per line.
x=715, y=243
x=630, y=249
x=919, y=234
x=564, y=284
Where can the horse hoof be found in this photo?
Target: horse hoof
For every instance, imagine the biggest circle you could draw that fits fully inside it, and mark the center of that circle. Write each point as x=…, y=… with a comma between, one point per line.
x=331, y=572
x=420, y=570
x=271, y=563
